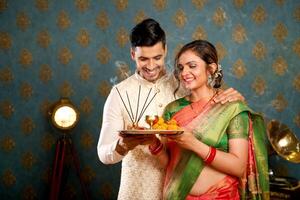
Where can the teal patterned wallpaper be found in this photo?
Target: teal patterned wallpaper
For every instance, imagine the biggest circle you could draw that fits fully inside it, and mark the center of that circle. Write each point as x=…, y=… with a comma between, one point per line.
x=79, y=48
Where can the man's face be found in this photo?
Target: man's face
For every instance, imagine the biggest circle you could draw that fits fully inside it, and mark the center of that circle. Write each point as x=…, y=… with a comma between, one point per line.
x=150, y=61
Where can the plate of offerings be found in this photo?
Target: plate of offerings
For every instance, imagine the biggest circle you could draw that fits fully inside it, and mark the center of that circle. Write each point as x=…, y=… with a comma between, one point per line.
x=150, y=132
x=157, y=125
x=160, y=127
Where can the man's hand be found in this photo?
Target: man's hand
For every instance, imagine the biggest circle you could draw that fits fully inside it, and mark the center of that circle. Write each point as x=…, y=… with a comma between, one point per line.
x=228, y=95
x=129, y=142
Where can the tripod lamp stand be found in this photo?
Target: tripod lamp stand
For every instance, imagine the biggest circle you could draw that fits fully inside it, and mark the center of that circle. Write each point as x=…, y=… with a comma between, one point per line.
x=64, y=116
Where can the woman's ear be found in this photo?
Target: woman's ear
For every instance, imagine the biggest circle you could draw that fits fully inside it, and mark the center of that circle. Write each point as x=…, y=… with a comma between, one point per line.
x=212, y=68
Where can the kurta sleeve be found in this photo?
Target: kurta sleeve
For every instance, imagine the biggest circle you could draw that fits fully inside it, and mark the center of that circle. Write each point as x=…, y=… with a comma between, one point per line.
x=112, y=122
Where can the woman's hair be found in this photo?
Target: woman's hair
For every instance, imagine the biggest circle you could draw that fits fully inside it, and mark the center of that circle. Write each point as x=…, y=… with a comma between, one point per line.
x=147, y=33
x=208, y=53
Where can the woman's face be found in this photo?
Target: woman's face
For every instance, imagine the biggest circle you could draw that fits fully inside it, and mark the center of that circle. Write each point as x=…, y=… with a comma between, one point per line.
x=193, y=71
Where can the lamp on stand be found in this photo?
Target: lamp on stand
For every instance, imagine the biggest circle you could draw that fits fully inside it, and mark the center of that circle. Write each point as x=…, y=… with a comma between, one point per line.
x=64, y=116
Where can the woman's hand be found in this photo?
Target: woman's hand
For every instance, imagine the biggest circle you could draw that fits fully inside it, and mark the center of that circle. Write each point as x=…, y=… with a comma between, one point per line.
x=185, y=140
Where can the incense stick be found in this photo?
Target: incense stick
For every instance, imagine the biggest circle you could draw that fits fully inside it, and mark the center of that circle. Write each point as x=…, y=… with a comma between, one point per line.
x=125, y=105
x=144, y=105
x=137, y=106
x=130, y=106
x=142, y=113
x=135, y=119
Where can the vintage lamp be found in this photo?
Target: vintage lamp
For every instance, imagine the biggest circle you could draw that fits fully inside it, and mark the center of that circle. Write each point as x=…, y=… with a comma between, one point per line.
x=64, y=115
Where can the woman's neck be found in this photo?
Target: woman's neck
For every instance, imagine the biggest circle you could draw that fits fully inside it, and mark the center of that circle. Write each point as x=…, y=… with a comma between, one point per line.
x=205, y=93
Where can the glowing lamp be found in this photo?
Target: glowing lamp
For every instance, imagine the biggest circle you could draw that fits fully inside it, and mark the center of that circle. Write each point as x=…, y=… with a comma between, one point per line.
x=64, y=115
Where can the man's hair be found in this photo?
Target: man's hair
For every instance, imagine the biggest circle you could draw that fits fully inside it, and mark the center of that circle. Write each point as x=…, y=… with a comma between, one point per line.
x=147, y=33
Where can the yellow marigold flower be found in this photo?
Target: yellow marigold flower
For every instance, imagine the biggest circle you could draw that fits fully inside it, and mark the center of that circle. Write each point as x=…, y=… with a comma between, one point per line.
x=172, y=122
x=156, y=126
x=161, y=120
x=172, y=127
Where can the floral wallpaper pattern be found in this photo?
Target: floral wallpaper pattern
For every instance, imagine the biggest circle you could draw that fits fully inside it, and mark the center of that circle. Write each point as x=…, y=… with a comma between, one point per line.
x=79, y=48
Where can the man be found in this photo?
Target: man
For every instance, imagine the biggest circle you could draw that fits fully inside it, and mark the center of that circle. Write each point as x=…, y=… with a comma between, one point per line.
x=146, y=92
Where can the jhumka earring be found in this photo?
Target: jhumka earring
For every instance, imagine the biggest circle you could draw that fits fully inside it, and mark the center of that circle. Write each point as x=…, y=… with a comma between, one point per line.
x=209, y=80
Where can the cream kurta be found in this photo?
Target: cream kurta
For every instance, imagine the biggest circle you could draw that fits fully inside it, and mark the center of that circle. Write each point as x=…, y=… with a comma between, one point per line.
x=141, y=176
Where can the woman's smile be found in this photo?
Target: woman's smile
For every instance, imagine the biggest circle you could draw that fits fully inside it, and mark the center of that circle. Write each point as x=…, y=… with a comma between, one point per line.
x=187, y=79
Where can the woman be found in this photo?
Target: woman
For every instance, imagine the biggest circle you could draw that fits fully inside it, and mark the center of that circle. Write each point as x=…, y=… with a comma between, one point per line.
x=214, y=158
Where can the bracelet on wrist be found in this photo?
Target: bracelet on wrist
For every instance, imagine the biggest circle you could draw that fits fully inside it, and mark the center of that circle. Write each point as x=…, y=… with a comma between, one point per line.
x=154, y=144
x=155, y=149
x=211, y=155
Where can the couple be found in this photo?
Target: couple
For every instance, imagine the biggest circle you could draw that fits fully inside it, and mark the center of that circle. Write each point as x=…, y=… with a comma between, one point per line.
x=215, y=150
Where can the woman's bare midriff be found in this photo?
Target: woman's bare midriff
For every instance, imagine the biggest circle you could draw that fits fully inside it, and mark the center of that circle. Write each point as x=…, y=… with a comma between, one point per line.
x=207, y=178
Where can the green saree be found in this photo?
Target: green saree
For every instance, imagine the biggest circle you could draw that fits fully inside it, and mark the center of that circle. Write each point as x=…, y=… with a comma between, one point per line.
x=209, y=125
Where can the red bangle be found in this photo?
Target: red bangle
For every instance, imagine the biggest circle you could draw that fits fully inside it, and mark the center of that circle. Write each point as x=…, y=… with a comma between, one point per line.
x=207, y=154
x=211, y=155
x=155, y=145
x=155, y=150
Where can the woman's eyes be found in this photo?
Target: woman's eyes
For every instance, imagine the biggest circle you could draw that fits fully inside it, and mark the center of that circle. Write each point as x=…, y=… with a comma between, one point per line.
x=180, y=67
x=191, y=66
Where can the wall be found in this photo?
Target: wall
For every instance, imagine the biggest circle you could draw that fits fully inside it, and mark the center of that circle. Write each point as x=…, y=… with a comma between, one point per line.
x=79, y=48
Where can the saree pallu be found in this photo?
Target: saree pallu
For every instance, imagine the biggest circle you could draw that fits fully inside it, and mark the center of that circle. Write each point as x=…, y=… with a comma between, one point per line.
x=209, y=125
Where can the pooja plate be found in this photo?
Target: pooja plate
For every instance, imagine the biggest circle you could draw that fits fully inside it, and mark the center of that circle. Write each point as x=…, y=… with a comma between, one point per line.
x=151, y=132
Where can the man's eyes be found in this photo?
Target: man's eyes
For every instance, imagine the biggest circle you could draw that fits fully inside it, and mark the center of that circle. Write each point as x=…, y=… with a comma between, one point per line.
x=143, y=59
x=155, y=58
